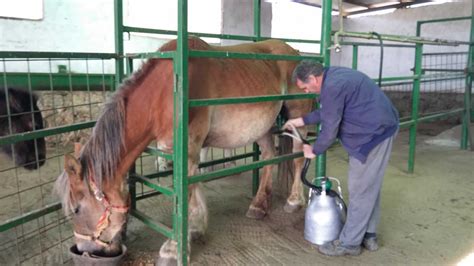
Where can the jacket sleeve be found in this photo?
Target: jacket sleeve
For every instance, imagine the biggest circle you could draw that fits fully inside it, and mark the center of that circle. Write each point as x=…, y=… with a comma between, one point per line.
x=332, y=108
x=312, y=118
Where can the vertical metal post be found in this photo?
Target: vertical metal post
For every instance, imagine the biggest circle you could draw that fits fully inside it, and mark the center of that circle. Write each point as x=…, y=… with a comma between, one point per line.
x=415, y=102
x=465, y=130
x=180, y=149
x=119, y=65
x=132, y=188
x=256, y=33
x=355, y=56
x=119, y=76
x=256, y=19
x=325, y=52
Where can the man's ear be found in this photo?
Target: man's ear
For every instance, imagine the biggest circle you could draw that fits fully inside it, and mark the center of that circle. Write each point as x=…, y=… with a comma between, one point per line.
x=312, y=79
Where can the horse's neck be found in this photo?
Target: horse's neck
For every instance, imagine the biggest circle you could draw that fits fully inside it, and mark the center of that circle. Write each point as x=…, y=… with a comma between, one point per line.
x=140, y=122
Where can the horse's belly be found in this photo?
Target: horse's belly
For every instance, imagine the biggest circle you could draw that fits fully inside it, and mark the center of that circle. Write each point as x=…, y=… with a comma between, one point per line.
x=239, y=125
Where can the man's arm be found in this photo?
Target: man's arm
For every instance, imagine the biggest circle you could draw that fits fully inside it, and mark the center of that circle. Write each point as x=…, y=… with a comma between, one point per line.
x=309, y=119
x=312, y=118
x=331, y=115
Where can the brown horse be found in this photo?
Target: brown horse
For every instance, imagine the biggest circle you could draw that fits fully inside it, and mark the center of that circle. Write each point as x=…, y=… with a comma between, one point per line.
x=93, y=186
x=19, y=113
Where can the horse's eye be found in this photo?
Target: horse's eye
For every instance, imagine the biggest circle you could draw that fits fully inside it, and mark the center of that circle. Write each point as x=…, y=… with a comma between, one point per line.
x=76, y=209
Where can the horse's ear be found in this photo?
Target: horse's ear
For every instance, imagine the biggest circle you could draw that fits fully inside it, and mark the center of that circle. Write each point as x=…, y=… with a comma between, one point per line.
x=73, y=169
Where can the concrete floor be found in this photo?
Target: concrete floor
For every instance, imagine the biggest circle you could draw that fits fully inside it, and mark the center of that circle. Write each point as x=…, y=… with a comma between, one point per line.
x=427, y=217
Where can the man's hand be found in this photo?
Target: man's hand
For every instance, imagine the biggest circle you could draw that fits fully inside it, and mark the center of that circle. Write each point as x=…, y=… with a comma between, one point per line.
x=308, y=151
x=296, y=122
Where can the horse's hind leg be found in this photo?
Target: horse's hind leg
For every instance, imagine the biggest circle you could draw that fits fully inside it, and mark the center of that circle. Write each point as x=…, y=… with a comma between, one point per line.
x=296, y=199
x=261, y=202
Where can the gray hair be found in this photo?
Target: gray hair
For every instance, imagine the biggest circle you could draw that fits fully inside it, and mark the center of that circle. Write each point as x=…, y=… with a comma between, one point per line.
x=306, y=68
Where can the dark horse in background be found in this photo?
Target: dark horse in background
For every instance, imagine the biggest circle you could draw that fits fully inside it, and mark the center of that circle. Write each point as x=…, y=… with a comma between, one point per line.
x=93, y=186
x=24, y=116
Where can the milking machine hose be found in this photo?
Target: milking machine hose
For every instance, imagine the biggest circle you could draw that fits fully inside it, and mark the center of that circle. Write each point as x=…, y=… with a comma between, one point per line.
x=305, y=181
x=381, y=57
x=307, y=162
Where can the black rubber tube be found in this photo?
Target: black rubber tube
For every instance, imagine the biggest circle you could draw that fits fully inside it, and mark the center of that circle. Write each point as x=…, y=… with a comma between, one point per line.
x=381, y=57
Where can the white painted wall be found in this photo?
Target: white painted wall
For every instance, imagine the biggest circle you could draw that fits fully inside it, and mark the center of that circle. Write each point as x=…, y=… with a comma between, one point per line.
x=88, y=26
x=67, y=26
x=307, y=26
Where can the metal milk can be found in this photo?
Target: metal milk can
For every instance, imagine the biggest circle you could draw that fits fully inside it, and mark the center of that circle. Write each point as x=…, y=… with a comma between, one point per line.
x=326, y=211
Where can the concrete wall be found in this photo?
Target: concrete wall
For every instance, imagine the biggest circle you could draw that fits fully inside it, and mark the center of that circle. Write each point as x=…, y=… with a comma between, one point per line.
x=237, y=18
x=399, y=61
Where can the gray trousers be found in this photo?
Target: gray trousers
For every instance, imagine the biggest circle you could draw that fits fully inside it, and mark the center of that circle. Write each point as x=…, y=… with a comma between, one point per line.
x=364, y=185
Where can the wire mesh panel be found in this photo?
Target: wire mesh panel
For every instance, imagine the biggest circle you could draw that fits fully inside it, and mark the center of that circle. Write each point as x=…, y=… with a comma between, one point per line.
x=68, y=94
x=400, y=95
x=444, y=90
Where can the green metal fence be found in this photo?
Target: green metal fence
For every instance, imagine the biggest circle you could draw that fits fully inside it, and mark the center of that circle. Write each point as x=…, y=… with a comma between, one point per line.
x=34, y=231
x=71, y=88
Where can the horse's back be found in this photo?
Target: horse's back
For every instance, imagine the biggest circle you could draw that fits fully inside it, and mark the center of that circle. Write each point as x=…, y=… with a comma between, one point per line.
x=270, y=46
x=239, y=77
x=236, y=125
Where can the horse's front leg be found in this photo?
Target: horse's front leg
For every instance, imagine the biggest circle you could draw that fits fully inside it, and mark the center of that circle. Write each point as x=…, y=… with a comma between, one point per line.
x=197, y=221
x=261, y=202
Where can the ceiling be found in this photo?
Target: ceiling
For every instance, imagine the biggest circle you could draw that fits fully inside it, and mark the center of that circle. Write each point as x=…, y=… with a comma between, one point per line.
x=353, y=7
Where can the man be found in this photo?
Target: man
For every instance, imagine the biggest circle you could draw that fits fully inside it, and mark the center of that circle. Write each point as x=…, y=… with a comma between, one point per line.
x=356, y=111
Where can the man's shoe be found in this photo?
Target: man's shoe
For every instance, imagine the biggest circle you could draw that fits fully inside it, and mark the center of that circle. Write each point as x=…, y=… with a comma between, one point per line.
x=370, y=244
x=335, y=248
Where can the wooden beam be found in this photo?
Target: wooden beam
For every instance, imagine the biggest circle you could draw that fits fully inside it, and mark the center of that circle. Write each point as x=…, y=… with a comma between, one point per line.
x=355, y=2
x=397, y=6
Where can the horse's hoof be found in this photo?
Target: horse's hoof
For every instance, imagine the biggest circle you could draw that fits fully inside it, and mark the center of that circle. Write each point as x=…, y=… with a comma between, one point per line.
x=255, y=213
x=197, y=235
x=291, y=208
x=160, y=261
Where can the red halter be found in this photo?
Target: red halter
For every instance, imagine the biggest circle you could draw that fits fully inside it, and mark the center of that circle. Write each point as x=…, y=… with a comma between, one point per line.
x=103, y=222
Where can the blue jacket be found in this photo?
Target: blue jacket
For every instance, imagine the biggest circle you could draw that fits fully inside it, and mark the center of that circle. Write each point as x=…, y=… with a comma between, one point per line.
x=353, y=109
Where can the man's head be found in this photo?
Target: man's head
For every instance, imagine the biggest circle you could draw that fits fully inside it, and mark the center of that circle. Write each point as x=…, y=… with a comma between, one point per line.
x=308, y=76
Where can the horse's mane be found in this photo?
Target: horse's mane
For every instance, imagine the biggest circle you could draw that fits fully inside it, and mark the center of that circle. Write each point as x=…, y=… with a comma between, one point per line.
x=101, y=154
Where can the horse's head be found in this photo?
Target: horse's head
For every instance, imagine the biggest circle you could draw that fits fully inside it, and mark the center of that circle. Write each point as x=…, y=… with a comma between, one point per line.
x=24, y=116
x=99, y=213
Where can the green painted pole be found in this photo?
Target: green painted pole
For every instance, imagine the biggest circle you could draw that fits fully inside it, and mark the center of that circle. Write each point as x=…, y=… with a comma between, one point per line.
x=355, y=56
x=132, y=171
x=118, y=22
x=466, y=138
x=180, y=149
x=255, y=148
x=415, y=103
x=257, y=19
x=400, y=38
x=119, y=76
x=326, y=53
x=443, y=20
